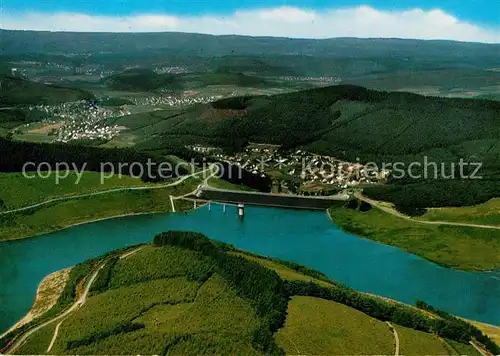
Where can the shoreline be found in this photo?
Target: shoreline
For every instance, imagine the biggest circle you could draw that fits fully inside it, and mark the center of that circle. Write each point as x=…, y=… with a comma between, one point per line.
x=88, y=222
x=442, y=265
x=47, y=294
x=102, y=219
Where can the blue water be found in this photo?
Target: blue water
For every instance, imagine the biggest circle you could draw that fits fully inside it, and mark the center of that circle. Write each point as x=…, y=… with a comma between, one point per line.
x=306, y=237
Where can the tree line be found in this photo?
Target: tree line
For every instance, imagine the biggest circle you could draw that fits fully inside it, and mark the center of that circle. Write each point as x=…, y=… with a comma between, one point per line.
x=15, y=154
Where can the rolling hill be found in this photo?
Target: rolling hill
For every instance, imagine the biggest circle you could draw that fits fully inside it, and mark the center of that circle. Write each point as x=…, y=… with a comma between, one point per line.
x=17, y=91
x=353, y=123
x=185, y=294
x=148, y=80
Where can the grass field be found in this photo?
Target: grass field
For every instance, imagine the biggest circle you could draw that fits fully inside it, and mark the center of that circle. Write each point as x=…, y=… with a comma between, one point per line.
x=319, y=327
x=283, y=271
x=38, y=342
x=464, y=248
x=458, y=349
x=487, y=213
x=59, y=215
x=413, y=342
x=17, y=191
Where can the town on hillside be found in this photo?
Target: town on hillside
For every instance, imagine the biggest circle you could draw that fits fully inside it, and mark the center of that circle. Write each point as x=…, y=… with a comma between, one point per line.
x=299, y=171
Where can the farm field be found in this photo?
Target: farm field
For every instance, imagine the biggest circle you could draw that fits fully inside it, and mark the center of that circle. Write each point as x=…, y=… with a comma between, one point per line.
x=487, y=213
x=458, y=247
x=320, y=327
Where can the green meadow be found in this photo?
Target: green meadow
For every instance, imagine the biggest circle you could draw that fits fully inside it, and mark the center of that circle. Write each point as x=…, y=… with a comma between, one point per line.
x=62, y=214
x=487, y=213
x=17, y=191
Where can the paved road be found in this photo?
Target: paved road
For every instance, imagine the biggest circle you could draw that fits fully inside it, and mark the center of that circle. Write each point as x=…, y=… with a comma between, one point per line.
x=402, y=216
x=177, y=182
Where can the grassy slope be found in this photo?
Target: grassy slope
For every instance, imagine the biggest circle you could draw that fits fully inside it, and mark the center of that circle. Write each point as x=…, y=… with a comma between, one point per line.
x=319, y=327
x=38, y=342
x=284, y=272
x=17, y=191
x=413, y=342
x=222, y=184
x=458, y=247
x=63, y=214
x=487, y=213
x=458, y=349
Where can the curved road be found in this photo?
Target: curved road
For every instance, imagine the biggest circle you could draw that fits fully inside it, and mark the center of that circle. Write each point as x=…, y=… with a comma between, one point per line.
x=177, y=182
x=402, y=216
x=75, y=306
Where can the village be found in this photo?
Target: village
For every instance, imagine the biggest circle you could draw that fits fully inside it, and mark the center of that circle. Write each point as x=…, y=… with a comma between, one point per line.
x=299, y=172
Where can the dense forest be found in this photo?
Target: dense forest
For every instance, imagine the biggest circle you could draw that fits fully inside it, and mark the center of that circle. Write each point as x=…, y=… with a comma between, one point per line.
x=17, y=91
x=15, y=154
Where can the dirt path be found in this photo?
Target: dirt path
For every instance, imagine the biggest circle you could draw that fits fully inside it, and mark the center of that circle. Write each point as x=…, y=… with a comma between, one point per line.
x=76, y=305
x=396, y=338
x=402, y=216
x=81, y=301
x=54, y=337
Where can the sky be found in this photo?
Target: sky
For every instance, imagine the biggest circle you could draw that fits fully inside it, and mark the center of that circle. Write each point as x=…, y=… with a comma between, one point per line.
x=462, y=20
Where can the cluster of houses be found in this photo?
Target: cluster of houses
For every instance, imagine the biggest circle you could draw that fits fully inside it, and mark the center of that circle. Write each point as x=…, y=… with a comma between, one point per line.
x=169, y=100
x=330, y=80
x=170, y=70
x=81, y=121
x=298, y=171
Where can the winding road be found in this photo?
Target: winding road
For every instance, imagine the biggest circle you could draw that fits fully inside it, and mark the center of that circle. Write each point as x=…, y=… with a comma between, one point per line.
x=177, y=182
x=402, y=216
x=81, y=301
x=76, y=305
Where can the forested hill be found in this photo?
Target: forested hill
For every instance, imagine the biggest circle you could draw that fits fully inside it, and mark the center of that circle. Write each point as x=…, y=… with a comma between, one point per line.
x=351, y=123
x=17, y=91
x=186, y=294
x=43, y=42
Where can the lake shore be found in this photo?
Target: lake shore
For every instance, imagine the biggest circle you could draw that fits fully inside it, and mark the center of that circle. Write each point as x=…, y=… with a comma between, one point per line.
x=49, y=290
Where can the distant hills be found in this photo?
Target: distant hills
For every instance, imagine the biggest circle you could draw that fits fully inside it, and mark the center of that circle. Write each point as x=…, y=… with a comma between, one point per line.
x=147, y=80
x=180, y=44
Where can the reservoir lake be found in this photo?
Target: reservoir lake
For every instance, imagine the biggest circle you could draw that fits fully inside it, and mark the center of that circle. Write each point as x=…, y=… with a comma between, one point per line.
x=306, y=237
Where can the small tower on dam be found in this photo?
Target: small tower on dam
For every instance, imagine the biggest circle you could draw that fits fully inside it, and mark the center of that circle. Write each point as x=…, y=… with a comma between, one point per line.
x=241, y=210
